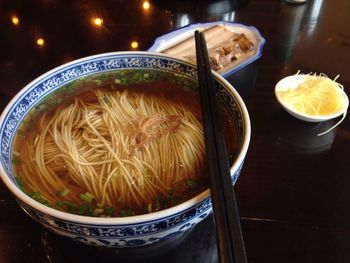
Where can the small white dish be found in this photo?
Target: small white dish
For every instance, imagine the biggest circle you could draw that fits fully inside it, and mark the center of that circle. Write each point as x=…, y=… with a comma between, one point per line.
x=292, y=82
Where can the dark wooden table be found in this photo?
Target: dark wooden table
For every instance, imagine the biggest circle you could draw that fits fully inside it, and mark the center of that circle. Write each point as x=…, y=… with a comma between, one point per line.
x=293, y=192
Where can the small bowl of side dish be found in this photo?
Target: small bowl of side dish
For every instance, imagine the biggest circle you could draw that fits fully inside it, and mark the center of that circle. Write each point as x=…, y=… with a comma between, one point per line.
x=87, y=216
x=312, y=98
x=231, y=46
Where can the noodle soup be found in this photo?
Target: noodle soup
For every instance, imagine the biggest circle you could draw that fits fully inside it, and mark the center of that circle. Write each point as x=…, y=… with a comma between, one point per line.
x=116, y=144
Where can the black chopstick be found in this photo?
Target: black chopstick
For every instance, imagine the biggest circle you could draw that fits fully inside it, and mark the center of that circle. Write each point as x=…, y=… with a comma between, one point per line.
x=229, y=236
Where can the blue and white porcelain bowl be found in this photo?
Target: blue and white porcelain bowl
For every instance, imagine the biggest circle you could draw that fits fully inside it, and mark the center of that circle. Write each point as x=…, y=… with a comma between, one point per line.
x=129, y=231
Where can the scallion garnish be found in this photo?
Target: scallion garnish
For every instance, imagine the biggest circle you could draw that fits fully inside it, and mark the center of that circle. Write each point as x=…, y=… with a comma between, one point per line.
x=109, y=210
x=34, y=195
x=126, y=212
x=87, y=197
x=63, y=193
x=191, y=183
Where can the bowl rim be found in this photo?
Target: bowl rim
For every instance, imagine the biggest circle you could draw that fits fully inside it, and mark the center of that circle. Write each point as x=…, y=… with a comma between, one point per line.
x=137, y=219
x=302, y=116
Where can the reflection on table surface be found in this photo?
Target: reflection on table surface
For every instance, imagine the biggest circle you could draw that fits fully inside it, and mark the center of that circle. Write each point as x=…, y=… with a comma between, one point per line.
x=293, y=190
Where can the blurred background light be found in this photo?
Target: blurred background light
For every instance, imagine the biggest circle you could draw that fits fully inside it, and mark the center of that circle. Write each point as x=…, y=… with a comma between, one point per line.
x=134, y=44
x=145, y=5
x=40, y=42
x=15, y=20
x=97, y=21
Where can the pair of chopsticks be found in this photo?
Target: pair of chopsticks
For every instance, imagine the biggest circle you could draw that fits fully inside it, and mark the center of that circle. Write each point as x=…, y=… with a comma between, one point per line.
x=229, y=237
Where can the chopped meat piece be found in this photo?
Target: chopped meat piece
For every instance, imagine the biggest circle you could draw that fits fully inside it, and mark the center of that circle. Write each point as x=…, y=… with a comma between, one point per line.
x=214, y=63
x=244, y=43
x=229, y=51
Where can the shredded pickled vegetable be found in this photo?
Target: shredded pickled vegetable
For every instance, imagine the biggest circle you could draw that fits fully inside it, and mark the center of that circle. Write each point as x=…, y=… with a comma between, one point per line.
x=316, y=95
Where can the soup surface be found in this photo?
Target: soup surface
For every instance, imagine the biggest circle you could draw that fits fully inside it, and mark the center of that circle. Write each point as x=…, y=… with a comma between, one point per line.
x=116, y=144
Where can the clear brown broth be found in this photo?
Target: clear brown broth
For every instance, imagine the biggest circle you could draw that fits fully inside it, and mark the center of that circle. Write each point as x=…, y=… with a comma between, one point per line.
x=183, y=190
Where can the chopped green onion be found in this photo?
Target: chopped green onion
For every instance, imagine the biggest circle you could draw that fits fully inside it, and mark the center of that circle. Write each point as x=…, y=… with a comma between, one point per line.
x=191, y=183
x=42, y=107
x=126, y=212
x=59, y=203
x=16, y=160
x=97, y=81
x=123, y=213
x=85, y=209
x=70, y=90
x=20, y=183
x=109, y=210
x=71, y=206
x=35, y=195
x=87, y=197
x=63, y=193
